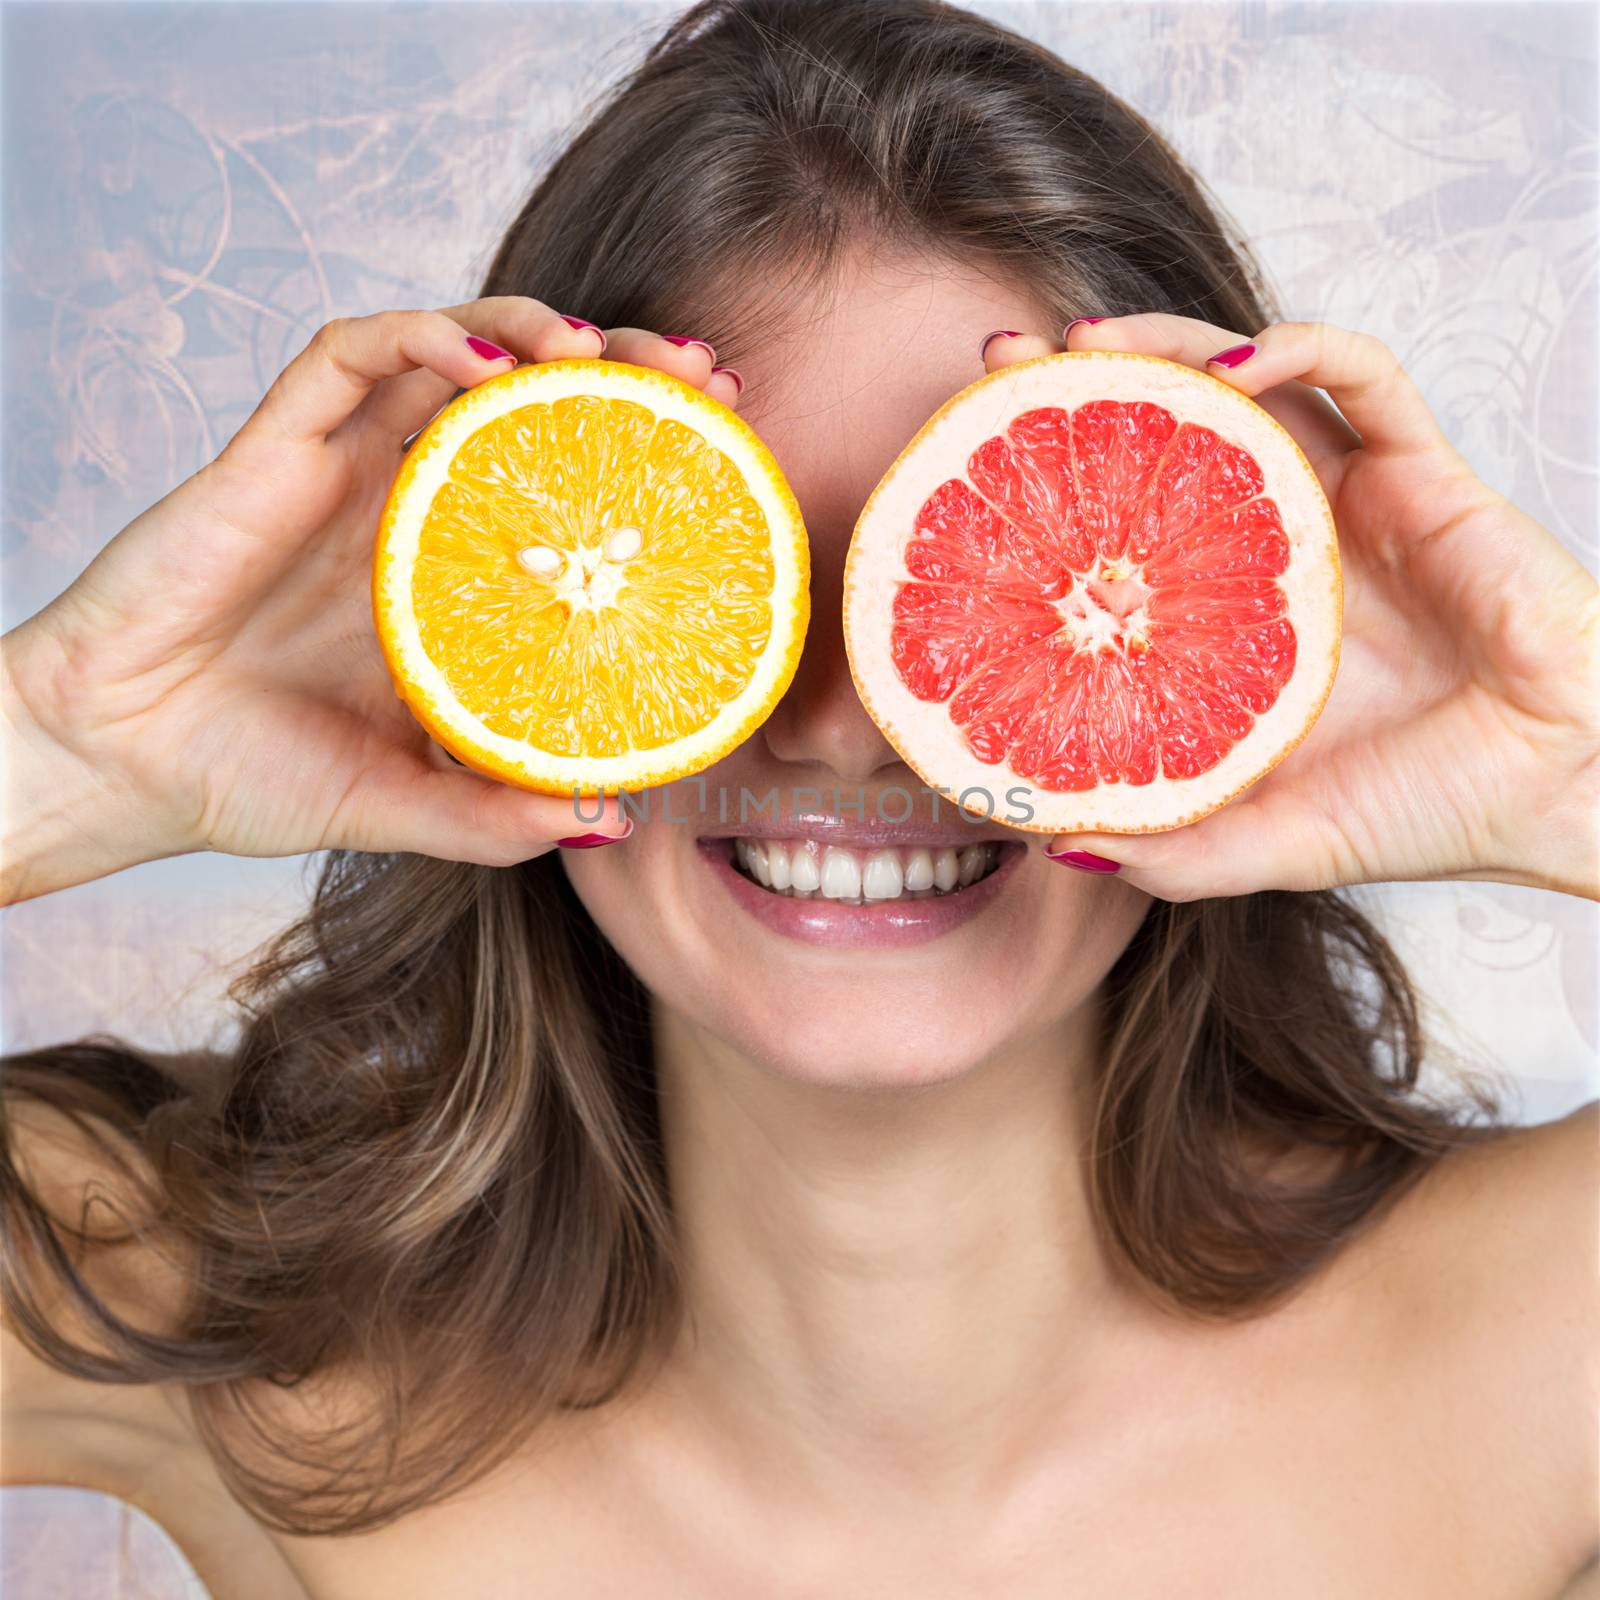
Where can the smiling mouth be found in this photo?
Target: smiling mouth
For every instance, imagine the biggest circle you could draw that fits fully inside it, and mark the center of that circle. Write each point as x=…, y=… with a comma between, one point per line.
x=807, y=869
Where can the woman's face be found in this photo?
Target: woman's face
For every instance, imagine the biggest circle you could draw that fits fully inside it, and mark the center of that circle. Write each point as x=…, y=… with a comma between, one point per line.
x=911, y=989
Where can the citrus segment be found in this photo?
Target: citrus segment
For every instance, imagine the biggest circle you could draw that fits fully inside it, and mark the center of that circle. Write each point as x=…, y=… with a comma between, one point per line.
x=1110, y=597
x=1170, y=571
x=591, y=578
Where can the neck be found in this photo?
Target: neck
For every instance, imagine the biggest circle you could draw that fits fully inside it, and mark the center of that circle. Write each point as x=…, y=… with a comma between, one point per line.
x=898, y=1282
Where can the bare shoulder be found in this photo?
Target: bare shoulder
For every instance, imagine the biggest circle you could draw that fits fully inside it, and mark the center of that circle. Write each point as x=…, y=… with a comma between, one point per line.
x=134, y=1441
x=1487, y=1276
x=1509, y=1230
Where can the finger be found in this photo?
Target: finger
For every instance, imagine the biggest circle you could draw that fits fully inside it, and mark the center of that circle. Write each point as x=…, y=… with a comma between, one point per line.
x=1285, y=354
x=1005, y=346
x=1321, y=432
x=693, y=360
x=1360, y=373
x=1151, y=333
x=459, y=815
x=725, y=384
x=527, y=328
x=413, y=408
x=348, y=358
x=1240, y=849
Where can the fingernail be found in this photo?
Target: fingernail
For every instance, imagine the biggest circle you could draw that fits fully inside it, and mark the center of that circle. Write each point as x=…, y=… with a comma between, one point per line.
x=999, y=333
x=588, y=841
x=1084, y=861
x=1074, y=323
x=683, y=343
x=489, y=352
x=1235, y=355
x=731, y=372
x=585, y=327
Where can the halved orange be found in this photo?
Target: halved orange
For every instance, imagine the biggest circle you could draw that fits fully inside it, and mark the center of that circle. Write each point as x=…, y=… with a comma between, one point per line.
x=590, y=577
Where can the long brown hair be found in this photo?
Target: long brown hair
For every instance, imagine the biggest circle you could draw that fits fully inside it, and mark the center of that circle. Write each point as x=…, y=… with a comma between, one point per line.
x=433, y=1158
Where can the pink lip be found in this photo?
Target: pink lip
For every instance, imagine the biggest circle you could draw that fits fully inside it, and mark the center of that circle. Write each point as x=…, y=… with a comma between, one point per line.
x=842, y=927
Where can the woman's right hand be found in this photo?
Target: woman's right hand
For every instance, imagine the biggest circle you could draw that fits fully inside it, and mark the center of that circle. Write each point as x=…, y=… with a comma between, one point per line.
x=212, y=680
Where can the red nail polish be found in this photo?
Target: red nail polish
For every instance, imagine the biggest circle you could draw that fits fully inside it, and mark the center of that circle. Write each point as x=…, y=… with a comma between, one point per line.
x=1084, y=861
x=588, y=841
x=1234, y=356
x=585, y=327
x=999, y=333
x=731, y=372
x=684, y=343
x=489, y=352
x=1066, y=331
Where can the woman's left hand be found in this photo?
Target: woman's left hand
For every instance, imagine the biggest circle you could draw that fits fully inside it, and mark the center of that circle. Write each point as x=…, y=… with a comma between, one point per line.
x=1462, y=736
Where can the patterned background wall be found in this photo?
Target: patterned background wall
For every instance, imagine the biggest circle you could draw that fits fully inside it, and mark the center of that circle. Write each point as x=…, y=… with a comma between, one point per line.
x=191, y=190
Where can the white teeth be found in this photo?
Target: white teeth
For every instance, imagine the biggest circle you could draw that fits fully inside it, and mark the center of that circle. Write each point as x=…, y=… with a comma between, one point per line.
x=803, y=868
x=758, y=865
x=841, y=875
x=752, y=856
x=804, y=871
x=883, y=877
x=778, y=863
x=919, y=870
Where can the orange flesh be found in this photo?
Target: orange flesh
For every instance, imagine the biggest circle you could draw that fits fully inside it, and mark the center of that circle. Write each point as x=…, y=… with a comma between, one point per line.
x=1097, y=600
x=608, y=656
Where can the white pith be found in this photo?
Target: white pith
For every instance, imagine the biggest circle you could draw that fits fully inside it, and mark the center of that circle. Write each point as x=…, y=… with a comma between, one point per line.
x=805, y=869
x=1094, y=625
x=923, y=731
x=429, y=463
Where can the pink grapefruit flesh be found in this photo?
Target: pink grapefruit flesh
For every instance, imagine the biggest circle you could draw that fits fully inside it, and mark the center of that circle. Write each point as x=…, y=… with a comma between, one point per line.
x=1102, y=587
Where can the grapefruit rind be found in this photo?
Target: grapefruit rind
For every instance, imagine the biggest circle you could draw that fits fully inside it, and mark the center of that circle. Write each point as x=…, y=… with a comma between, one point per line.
x=923, y=733
x=422, y=685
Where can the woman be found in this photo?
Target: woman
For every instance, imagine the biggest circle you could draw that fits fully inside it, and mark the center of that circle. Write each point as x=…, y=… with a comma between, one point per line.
x=563, y=1225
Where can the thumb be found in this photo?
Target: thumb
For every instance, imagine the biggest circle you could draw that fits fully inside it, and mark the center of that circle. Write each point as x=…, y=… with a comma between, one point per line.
x=1244, y=847
x=458, y=815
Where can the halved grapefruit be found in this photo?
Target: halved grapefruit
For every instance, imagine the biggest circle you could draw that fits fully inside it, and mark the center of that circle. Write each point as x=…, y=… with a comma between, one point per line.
x=1107, y=579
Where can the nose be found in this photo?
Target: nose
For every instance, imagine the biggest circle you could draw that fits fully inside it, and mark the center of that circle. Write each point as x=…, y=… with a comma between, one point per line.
x=821, y=720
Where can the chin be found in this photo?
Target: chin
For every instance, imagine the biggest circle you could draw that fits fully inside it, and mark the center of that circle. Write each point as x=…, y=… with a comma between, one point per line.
x=864, y=1032
x=856, y=955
